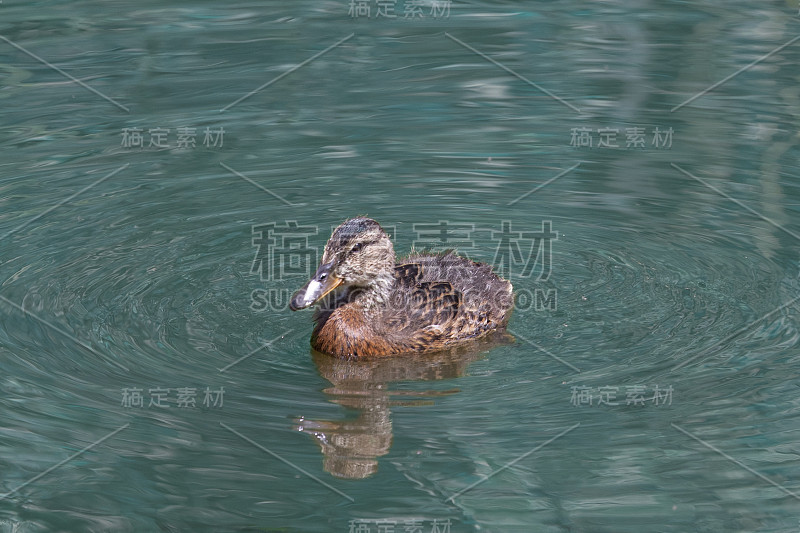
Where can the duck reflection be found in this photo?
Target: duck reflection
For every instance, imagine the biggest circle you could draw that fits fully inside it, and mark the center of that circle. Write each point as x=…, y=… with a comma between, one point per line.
x=351, y=448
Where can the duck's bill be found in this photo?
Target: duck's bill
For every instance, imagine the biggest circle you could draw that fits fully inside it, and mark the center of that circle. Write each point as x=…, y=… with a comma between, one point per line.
x=317, y=287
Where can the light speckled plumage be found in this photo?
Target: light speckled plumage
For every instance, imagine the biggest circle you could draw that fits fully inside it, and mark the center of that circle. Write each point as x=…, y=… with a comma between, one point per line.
x=374, y=306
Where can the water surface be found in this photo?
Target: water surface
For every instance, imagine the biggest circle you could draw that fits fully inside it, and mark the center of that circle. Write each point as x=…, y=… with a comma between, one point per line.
x=128, y=270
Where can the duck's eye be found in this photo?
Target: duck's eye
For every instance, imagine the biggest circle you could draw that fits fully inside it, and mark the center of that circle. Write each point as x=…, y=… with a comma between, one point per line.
x=356, y=247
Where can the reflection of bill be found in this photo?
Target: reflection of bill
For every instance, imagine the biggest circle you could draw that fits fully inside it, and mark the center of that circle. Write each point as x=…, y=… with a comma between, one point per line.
x=351, y=447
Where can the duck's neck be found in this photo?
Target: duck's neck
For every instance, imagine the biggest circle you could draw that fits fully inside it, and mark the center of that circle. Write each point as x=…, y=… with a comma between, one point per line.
x=376, y=294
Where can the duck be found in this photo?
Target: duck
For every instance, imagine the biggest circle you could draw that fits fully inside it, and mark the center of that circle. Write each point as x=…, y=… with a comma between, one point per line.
x=371, y=304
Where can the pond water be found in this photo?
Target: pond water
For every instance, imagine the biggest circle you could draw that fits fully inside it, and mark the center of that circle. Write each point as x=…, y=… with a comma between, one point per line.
x=170, y=174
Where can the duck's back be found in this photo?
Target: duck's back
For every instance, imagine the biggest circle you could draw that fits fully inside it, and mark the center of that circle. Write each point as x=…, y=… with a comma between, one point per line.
x=444, y=298
x=474, y=280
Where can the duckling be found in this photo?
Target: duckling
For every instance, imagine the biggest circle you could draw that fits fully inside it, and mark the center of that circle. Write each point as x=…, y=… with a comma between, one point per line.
x=372, y=305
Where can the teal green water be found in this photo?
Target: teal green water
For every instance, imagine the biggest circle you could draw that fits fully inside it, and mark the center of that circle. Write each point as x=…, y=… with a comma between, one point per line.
x=669, y=302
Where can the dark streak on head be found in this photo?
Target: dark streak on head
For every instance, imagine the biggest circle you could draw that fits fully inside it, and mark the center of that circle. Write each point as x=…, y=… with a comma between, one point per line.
x=348, y=231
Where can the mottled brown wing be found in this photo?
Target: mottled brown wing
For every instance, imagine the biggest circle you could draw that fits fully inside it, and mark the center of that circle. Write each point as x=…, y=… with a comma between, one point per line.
x=408, y=273
x=437, y=302
x=422, y=313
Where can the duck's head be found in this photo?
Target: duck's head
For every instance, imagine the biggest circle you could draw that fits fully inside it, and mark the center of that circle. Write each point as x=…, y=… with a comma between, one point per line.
x=359, y=255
